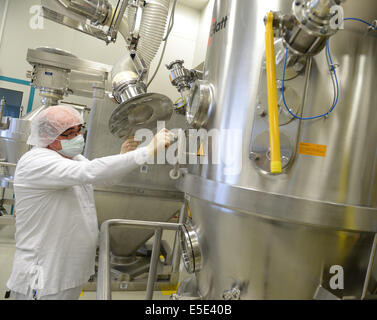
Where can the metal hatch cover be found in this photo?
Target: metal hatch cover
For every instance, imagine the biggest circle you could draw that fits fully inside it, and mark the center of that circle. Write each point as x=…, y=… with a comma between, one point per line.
x=56, y=51
x=141, y=112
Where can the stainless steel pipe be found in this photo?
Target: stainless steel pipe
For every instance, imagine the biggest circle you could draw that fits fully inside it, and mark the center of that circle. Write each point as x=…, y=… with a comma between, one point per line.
x=104, y=275
x=97, y=11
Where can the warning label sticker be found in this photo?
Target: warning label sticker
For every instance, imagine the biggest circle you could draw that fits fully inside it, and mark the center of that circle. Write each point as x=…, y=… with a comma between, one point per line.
x=312, y=149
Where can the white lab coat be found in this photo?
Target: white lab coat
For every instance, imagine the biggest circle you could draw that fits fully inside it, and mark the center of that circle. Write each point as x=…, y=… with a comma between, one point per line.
x=56, y=220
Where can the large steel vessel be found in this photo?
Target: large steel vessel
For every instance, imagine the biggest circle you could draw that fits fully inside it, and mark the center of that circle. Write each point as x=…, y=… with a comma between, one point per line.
x=263, y=236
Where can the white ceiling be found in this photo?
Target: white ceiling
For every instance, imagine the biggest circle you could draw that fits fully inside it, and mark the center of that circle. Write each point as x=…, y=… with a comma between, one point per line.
x=195, y=4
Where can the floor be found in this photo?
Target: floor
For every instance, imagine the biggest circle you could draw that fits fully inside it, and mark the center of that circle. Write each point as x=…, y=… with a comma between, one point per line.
x=7, y=249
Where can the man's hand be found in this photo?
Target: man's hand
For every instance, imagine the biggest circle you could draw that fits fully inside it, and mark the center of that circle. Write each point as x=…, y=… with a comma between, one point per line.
x=129, y=145
x=161, y=140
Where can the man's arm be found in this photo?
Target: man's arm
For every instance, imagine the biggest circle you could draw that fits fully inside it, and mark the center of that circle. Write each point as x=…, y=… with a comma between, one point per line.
x=55, y=172
x=51, y=171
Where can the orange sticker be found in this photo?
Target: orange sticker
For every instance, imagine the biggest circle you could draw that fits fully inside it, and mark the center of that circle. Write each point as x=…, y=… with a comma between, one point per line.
x=312, y=149
x=201, y=150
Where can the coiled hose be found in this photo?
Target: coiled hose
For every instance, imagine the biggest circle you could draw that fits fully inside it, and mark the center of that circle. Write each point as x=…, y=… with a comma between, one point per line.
x=152, y=29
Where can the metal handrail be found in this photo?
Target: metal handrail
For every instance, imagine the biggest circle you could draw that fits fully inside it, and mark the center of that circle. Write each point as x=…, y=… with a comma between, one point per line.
x=8, y=164
x=104, y=274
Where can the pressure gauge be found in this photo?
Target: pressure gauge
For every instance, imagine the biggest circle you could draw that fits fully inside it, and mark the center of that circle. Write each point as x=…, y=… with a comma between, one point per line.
x=191, y=253
x=200, y=105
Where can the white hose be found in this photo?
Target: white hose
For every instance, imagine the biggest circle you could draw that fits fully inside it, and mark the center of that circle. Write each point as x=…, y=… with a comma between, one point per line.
x=152, y=29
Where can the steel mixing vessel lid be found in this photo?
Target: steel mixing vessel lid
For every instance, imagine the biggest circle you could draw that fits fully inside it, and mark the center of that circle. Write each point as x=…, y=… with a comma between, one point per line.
x=56, y=51
x=141, y=112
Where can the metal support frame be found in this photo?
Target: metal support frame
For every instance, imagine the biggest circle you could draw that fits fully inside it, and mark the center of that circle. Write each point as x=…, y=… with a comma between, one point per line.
x=104, y=274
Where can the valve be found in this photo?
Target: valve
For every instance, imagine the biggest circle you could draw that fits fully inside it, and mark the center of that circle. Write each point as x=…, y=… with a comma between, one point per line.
x=232, y=294
x=180, y=77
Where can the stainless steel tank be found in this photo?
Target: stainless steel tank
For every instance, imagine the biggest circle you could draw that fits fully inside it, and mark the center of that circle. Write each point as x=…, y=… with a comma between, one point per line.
x=13, y=140
x=263, y=236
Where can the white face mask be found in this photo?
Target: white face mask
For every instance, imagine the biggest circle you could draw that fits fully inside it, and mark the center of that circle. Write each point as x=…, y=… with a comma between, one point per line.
x=73, y=147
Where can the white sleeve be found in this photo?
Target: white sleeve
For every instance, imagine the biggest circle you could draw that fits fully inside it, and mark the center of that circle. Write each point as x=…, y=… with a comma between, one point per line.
x=52, y=172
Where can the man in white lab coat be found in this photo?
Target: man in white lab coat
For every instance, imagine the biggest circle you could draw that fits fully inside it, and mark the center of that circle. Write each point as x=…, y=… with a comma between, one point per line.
x=56, y=220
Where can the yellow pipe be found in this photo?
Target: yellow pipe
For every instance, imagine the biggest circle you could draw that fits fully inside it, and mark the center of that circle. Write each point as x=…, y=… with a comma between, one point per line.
x=272, y=97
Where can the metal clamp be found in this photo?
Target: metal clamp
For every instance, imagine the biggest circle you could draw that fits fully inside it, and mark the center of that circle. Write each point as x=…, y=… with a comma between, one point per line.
x=139, y=65
x=180, y=77
x=232, y=294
